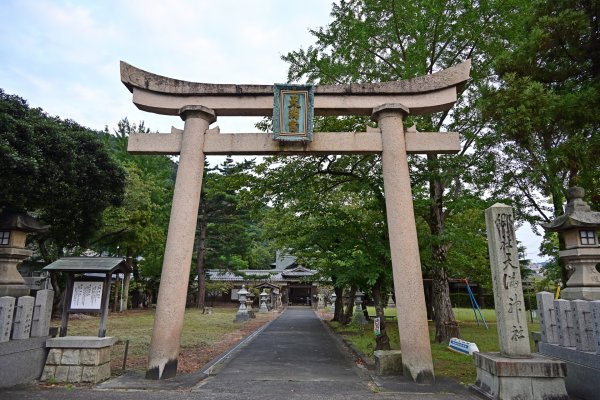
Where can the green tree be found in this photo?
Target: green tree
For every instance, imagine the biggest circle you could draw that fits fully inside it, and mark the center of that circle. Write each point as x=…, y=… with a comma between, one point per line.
x=138, y=228
x=329, y=211
x=543, y=110
x=58, y=170
x=373, y=41
x=229, y=234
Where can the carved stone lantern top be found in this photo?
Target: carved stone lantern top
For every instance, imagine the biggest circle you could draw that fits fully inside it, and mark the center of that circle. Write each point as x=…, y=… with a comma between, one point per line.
x=581, y=254
x=15, y=221
x=578, y=214
x=14, y=227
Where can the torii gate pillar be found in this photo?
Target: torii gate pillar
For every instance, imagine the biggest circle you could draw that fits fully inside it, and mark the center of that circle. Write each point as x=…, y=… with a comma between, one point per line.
x=168, y=321
x=406, y=264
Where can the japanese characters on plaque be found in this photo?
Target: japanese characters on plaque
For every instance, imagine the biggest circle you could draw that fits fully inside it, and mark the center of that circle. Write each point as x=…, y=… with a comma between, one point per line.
x=506, y=277
x=293, y=112
x=87, y=295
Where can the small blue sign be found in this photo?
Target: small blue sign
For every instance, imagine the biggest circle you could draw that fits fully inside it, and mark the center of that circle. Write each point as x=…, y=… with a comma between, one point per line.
x=293, y=112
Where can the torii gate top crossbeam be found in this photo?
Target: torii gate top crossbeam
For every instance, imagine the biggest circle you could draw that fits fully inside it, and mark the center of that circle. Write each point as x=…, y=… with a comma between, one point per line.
x=421, y=95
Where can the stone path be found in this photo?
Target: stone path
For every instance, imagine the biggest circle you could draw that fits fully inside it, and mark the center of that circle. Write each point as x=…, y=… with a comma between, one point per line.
x=294, y=357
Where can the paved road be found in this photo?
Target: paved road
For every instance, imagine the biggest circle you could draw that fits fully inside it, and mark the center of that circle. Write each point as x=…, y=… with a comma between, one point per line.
x=295, y=357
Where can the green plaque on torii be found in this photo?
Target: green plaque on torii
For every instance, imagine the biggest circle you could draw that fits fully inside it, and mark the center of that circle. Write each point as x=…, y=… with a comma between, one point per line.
x=293, y=112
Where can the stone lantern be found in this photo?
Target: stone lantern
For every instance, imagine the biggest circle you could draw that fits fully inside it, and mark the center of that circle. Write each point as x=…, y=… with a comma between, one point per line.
x=242, y=313
x=263, y=302
x=390, y=302
x=359, y=316
x=321, y=302
x=14, y=228
x=333, y=298
x=578, y=227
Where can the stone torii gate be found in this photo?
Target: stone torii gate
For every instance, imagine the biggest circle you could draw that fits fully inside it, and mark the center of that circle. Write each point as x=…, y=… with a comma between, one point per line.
x=199, y=105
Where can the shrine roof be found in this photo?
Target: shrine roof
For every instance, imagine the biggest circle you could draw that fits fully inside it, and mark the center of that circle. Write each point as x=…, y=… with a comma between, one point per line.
x=263, y=275
x=89, y=264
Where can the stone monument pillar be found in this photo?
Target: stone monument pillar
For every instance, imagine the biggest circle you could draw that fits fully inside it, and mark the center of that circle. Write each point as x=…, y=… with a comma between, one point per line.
x=170, y=306
x=513, y=373
x=14, y=228
x=417, y=363
x=578, y=228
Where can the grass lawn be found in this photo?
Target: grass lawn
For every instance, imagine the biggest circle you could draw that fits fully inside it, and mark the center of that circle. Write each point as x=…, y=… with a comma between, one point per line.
x=204, y=336
x=445, y=362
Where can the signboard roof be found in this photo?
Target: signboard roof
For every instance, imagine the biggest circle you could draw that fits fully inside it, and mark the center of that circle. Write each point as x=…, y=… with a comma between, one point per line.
x=89, y=264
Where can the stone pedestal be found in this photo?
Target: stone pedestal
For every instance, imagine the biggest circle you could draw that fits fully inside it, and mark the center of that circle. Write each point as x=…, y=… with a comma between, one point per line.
x=580, y=293
x=11, y=281
x=534, y=378
x=75, y=359
x=388, y=362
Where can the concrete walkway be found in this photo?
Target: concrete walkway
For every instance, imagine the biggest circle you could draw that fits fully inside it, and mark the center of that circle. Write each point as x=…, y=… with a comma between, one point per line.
x=294, y=357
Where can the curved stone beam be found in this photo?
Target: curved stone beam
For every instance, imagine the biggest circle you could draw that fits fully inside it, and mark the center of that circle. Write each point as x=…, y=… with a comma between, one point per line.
x=422, y=95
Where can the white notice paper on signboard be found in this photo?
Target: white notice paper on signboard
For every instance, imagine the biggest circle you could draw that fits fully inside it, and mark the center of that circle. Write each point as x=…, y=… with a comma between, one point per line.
x=87, y=295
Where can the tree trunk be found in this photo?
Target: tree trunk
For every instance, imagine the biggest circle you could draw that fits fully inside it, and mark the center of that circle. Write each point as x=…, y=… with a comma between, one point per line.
x=59, y=297
x=445, y=324
x=338, y=315
x=557, y=204
x=429, y=301
x=124, y=303
x=347, y=318
x=137, y=295
x=200, y=263
x=364, y=306
x=382, y=342
x=116, y=294
x=480, y=296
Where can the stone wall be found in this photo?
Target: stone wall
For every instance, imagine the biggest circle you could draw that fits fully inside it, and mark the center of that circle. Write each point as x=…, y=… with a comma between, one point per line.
x=570, y=331
x=77, y=365
x=24, y=327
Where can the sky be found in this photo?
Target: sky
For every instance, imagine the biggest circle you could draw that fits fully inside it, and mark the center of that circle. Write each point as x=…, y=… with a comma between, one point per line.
x=63, y=56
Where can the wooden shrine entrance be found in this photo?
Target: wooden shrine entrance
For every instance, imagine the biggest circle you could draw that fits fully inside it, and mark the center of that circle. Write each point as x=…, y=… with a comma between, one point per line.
x=199, y=105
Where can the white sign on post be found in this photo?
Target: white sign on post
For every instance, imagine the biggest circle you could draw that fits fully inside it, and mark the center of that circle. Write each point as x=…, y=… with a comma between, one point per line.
x=87, y=295
x=377, y=326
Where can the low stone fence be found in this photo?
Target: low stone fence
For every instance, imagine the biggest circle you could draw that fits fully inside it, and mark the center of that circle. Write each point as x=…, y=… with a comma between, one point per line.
x=570, y=331
x=26, y=316
x=24, y=328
